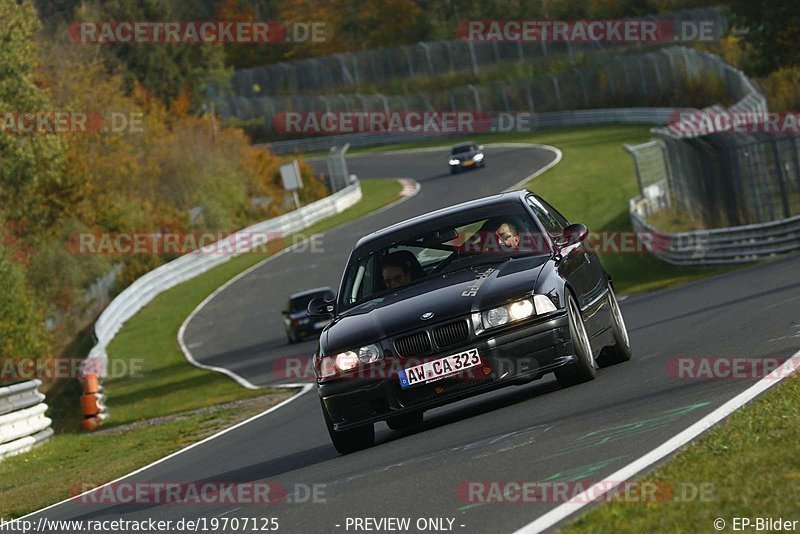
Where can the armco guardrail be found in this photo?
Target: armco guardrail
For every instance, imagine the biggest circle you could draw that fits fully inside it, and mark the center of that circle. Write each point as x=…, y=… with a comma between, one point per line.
x=23, y=423
x=147, y=287
x=718, y=246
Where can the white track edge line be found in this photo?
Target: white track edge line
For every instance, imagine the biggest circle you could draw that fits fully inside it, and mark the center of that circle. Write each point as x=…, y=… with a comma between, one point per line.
x=564, y=510
x=558, y=158
x=305, y=388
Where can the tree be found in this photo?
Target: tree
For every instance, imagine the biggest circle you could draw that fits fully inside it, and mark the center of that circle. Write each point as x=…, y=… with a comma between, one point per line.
x=164, y=69
x=772, y=28
x=31, y=165
x=21, y=323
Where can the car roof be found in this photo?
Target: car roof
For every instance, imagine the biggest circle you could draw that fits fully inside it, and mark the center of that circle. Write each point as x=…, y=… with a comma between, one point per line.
x=465, y=143
x=309, y=292
x=386, y=236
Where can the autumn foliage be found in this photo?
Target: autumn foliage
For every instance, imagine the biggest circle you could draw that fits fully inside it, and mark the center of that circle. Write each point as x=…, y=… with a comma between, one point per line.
x=163, y=167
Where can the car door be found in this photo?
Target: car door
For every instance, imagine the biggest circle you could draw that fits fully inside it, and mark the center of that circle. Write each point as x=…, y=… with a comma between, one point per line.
x=573, y=265
x=588, y=272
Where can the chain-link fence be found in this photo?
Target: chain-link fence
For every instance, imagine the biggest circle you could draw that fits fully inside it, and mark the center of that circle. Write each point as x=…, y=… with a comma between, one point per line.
x=727, y=175
x=735, y=171
x=347, y=71
x=726, y=179
x=719, y=174
x=651, y=79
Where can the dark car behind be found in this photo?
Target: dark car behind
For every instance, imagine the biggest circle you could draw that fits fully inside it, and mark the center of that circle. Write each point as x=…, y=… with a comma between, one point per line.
x=296, y=320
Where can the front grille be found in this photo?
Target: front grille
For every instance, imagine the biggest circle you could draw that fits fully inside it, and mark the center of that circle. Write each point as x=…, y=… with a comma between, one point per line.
x=417, y=344
x=450, y=334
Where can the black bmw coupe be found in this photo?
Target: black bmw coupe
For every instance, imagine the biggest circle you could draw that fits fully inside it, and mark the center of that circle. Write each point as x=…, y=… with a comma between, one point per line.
x=485, y=294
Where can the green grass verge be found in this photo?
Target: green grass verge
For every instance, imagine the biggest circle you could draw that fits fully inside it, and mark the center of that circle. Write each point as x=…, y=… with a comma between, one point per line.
x=750, y=462
x=166, y=385
x=64, y=465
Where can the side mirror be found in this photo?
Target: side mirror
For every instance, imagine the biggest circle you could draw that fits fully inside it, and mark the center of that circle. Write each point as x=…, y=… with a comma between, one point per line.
x=480, y=147
x=319, y=307
x=574, y=233
x=285, y=312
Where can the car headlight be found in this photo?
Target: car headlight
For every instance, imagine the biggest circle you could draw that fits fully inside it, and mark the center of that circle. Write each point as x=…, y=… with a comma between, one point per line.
x=497, y=317
x=522, y=309
x=515, y=311
x=346, y=360
x=369, y=354
x=478, y=157
x=349, y=360
x=454, y=161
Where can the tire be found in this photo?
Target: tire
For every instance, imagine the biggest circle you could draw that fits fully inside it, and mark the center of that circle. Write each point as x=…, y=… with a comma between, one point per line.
x=584, y=368
x=620, y=351
x=290, y=338
x=407, y=420
x=347, y=441
x=453, y=170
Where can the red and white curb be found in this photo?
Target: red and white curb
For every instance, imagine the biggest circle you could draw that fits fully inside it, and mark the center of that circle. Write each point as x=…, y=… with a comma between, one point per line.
x=410, y=187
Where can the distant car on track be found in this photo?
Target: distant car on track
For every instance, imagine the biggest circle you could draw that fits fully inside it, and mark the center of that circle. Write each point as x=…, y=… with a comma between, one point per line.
x=466, y=156
x=296, y=320
x=489, y=293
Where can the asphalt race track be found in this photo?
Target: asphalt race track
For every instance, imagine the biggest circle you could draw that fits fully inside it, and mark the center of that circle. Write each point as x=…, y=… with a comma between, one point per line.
x=536, y=432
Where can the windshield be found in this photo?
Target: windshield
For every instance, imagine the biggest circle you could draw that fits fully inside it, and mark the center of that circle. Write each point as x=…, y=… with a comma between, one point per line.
x=440, y=252
x=461, y=149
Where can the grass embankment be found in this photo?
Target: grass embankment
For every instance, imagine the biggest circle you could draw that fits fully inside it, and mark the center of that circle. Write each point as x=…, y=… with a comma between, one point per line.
x=190, y=403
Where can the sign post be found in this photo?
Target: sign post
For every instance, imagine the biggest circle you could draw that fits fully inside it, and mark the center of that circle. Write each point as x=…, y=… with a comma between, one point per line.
x=292, y=181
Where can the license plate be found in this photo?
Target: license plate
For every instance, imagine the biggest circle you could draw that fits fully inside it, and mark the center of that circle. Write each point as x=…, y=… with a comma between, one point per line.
x=438, y=369
x=468, y=162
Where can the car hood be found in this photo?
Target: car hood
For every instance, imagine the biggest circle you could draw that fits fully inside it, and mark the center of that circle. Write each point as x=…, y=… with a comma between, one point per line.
x=447, y=297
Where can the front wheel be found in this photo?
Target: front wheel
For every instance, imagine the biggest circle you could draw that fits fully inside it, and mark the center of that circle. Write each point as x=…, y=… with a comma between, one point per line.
x=347, y=441
x=620, y=351
x=583, y=369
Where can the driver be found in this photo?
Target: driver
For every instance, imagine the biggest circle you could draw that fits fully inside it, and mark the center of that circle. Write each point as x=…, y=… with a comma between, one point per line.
x=396, y=272
x=507, y=236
